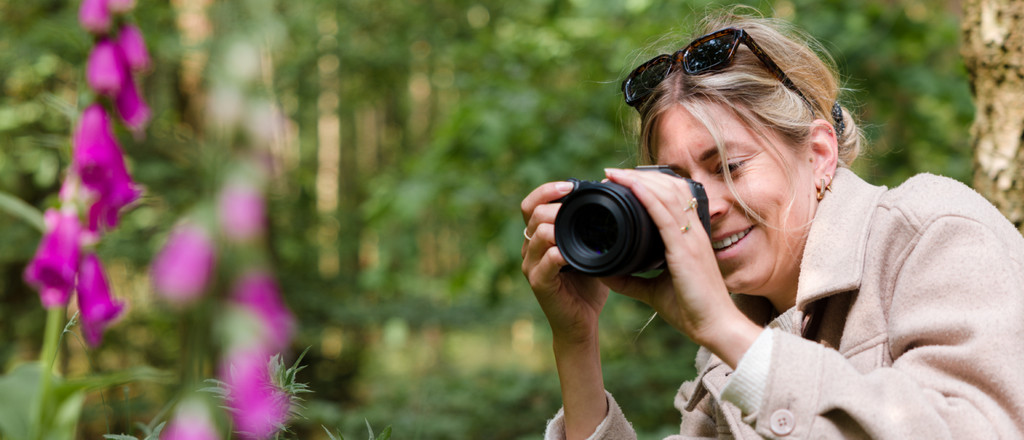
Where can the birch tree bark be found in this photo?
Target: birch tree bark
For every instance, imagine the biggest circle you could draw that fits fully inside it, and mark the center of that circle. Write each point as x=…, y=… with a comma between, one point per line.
x=993, y=51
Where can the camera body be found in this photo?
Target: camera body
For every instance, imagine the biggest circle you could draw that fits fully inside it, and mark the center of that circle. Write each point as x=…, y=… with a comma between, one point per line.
x=603, y=230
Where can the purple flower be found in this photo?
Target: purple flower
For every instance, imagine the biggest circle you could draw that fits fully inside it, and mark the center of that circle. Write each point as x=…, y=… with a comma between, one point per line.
x=105, y=71
x=133, y=47
x=182, y=268
x=130, y=105
x=99, y=162
x=191, y=421
x=241, y=210
x=257, y=292
x=258, y=406
x=94, y=15
x=98, y=309
x=52, y=270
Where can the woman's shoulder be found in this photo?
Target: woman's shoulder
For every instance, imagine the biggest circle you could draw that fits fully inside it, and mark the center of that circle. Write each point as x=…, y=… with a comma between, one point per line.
x=926, y=199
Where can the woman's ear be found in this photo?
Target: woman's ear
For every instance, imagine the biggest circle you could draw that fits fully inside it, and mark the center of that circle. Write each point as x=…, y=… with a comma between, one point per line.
x=824, y=151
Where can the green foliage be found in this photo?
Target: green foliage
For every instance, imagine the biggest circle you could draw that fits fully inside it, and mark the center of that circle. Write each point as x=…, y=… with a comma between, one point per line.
x=384, y=435
x=448, y=113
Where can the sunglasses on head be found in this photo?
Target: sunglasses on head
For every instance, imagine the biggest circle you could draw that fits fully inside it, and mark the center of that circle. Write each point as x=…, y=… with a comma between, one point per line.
x=711, y=52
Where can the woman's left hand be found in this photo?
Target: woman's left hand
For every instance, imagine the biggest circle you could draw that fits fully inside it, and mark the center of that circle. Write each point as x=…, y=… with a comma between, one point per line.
x=691, y=295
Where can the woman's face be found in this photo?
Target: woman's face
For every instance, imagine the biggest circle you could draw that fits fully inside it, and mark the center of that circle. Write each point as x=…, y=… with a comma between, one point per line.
x=755, y=257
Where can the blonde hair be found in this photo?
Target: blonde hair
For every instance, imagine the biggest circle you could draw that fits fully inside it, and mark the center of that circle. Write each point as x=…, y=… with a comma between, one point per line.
x=753, y=93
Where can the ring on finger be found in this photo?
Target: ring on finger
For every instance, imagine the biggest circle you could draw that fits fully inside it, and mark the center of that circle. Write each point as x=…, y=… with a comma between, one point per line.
x=686, y=228
x=692, y=204
x=528, y=237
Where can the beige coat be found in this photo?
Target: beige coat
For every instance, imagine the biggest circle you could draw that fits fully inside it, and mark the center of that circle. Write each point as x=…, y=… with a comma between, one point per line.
x=909, y=325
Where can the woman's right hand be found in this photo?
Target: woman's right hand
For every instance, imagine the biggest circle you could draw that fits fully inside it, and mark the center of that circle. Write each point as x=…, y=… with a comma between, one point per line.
x=570, y=301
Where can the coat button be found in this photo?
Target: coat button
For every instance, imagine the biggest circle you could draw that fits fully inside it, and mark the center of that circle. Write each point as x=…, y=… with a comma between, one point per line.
x=782, y=422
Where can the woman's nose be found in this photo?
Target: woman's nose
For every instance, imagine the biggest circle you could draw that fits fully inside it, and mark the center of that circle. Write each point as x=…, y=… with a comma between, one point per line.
x=718, y=201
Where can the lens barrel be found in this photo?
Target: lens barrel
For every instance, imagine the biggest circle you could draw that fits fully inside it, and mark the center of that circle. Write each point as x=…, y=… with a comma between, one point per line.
x=603, y=230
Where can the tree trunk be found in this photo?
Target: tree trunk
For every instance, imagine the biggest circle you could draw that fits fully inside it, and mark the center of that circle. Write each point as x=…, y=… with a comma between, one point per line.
x=993, y=51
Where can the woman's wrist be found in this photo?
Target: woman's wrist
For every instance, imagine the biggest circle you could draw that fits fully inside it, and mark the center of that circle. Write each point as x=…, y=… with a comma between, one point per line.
x=583, y=397
x=731, y=338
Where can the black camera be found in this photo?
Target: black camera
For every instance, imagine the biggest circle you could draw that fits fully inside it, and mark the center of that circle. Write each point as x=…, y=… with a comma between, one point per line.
x=603, y=230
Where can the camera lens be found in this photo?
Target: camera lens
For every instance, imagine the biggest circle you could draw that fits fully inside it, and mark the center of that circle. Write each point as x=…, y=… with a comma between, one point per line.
x=602, y=230
x=597, y=228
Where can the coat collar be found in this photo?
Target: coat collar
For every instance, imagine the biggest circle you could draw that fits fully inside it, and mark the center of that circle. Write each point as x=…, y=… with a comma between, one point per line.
x=833, y=259
x=833, y=262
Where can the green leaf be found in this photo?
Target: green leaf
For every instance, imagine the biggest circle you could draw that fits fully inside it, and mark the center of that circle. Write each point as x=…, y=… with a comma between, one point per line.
x=339, y=437
x=19, y=387
x=385, y=434
x=18, y=208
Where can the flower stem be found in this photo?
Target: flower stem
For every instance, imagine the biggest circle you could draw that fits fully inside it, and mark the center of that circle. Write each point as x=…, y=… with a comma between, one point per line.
x=47, y=359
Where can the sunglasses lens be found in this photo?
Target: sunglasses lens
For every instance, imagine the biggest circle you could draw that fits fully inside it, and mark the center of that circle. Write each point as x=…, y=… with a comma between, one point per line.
x=640, y=84
x=709, y=54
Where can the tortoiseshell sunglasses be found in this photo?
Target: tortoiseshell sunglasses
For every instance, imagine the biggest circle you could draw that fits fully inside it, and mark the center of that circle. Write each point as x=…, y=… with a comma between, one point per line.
x=711, y=52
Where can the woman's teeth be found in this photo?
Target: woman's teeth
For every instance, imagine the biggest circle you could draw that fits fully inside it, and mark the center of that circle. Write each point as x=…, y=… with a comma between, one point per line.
x=728, y=241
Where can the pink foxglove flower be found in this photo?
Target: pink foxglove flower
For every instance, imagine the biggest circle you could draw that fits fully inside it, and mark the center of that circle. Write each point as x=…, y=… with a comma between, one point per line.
x=99, y=163
x=258, y=406
x=105, y=71
x=52, y=270
x=130, y=105
x=191, y=421
x=94, y=15
x=257, y=292
x=241, y=210
x=98, y=309
x=182, y=269
x=133, y=47
x=121, y=6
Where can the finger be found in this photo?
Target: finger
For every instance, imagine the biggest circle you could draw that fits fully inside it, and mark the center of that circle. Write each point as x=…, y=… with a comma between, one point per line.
x=541, y=214
x=542, y=240
x=543, y=274
x=663, y=189
x=634, y=287
x=544, y=194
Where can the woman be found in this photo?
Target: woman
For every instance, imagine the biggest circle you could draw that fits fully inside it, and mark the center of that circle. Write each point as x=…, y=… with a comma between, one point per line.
x=824, y=306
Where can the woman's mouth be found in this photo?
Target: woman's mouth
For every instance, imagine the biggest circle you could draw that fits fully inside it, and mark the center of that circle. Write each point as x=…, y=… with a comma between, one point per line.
x=730, y=240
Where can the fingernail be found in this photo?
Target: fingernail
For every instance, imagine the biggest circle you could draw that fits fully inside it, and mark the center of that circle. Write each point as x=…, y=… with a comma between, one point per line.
x=564, y=186
x=611, y=172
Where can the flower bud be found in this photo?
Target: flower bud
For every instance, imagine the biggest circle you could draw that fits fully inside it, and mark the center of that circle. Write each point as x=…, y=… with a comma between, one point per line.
x=52, y=270
x=258, y=293
x=99, y=163
x=133, y=46
x=131, y=107
x=105, y=71
x=98, y=309
x=258, y=406
x=192, y=421
x=241, y=210
x=182, y=269
x=94, y=16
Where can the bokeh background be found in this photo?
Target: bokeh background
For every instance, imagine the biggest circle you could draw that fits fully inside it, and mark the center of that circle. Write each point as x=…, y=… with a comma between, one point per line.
x=412, y=131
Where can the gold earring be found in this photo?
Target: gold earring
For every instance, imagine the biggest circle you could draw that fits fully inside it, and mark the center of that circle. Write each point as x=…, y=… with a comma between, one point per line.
x=824, y=187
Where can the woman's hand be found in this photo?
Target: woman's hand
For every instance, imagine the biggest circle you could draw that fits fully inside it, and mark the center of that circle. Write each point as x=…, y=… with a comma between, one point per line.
x=571, y=301
x=691, y=295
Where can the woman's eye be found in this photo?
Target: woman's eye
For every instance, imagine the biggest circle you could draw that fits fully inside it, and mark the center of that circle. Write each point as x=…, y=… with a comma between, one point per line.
x=733, y=166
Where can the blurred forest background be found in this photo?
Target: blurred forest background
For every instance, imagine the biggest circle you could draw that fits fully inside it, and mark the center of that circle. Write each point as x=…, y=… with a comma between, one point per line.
x=414, y=128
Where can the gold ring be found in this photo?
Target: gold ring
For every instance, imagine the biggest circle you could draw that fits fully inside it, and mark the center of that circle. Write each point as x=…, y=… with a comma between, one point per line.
x=685, y=228
x=528, y=237
x=691, y=205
